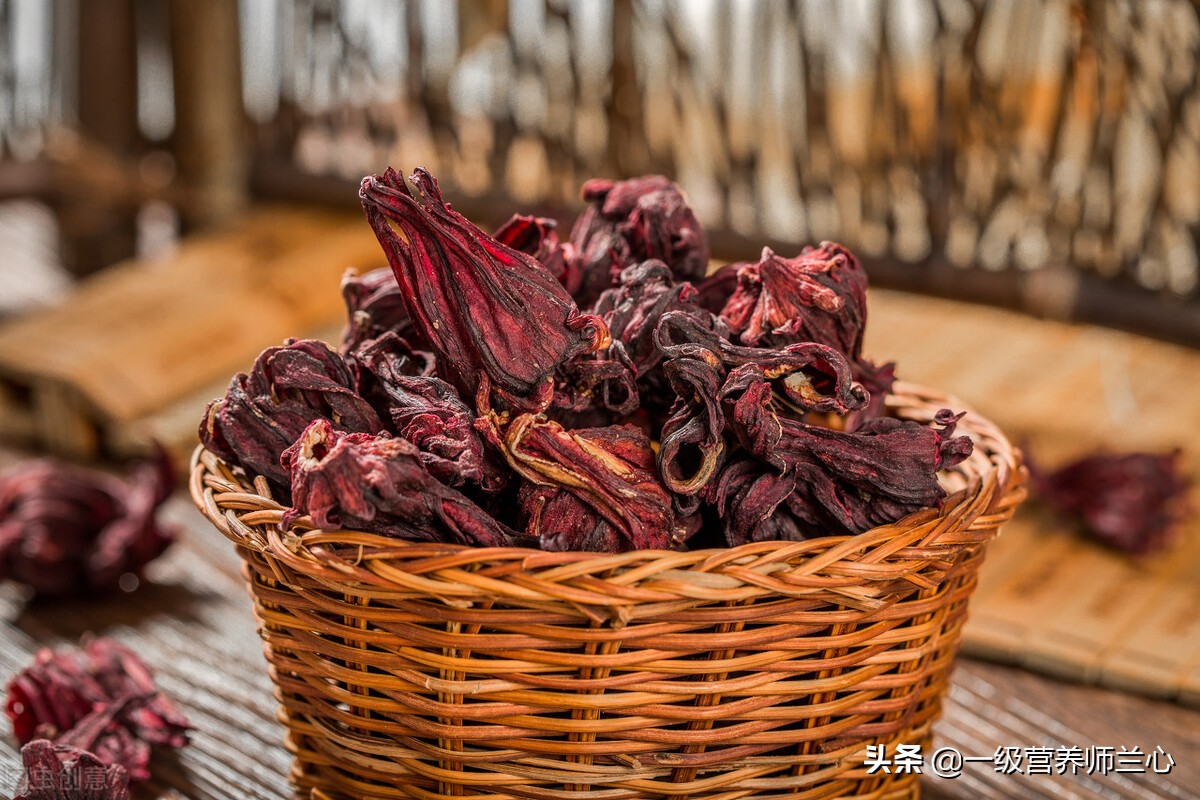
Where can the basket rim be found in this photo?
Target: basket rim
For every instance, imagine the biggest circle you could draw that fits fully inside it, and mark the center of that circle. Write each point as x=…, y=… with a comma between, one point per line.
x=984, y=491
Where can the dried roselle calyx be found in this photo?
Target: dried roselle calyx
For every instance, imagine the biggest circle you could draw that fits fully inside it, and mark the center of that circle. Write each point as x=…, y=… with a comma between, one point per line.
x=374, y=307
x=807, y=377
x=62, y=772
x=597, y=387
x=538, y=237
x=265, y=411
x=1132, y=502
x=692, y=445
x=379, y=484
x=498, y=321
x=387, y=353
x=714, y=291
x=428, y=412
x=101, y=699
x=747, y=495
x=594, y=490
x=819, y=482
x=65, y=530
x=633, y=308
x=818, y=296
x=632, y=221
x=810, y=377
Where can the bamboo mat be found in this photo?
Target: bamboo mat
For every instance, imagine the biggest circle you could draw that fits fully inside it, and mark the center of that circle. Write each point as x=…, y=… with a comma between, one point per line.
x=1047, y=599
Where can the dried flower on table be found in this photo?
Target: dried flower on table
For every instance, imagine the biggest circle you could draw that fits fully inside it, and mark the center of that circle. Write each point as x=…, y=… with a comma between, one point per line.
x=1132, y=502
x=499, y=323
x=265, y=411
x=379, y=484
x=62, y=772
x=101, y=699
x=594, y=489
x=818, y=296
x=66, y=530
x=632, y=221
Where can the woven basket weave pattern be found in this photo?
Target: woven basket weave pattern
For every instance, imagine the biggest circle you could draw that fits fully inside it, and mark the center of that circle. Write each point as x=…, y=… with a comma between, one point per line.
x=434, y=671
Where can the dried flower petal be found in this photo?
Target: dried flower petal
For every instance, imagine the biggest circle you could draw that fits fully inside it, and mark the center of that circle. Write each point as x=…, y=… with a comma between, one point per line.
x=427, y=412
x=1133, y=502
x=374, y=307
x=265, y=411
x=538, y=237
x=633, y=308
x=600, y=386
x=632, y=221
x=714, y=291
x=61, y=772
x=594, y=490
x=379, y=484
x=817, y=482
x=810, y=376
x=65, y=530
x=100, y=698
x=493, y=315
x=818, y=296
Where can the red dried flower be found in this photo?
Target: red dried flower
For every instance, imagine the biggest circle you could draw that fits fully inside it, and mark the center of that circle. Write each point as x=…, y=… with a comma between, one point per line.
x=805, y=377
x=67, y=530
x=594, y=489
x=538, y=237
x=62, y=772
x=814, y=481
x=374, y=307
x=631, y=221
x=1132, y=502
x=818, y=296
x=427, y=412
x=495, y=317
x=265, y=411
x=101, y=699
x=379, y=484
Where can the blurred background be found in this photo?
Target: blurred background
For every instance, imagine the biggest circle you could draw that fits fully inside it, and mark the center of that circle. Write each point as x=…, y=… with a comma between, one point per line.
x=1043, y=155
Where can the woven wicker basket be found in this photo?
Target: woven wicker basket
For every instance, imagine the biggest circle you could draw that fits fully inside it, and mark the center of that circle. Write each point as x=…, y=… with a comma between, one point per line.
x=436, y=671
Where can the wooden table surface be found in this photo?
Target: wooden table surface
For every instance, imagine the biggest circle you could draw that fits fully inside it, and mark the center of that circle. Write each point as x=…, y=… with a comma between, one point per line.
x=192, y=623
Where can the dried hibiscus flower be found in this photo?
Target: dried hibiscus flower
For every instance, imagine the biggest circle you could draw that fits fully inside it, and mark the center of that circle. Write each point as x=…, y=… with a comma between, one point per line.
x=68, y=530
x=100, y=699
x=427, y=411
x=374, y=307
x=631, y=221
x=714, y=291
x=814, y=481
x=62, y=772
x=1132, y=502
x=633, y=308
x=807, y=377
x=536, y=236
x=265, y=411
x=497, y=320
x=818, y=296
x=379, y=484
x=593, y=489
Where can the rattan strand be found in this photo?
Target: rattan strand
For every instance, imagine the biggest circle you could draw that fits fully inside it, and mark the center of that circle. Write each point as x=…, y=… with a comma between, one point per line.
x=436, y=671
